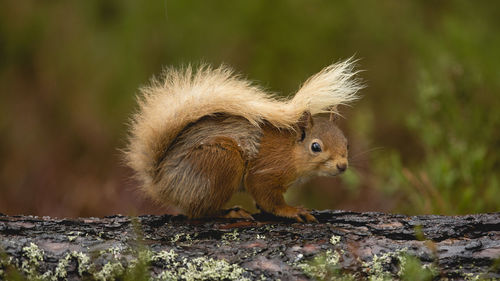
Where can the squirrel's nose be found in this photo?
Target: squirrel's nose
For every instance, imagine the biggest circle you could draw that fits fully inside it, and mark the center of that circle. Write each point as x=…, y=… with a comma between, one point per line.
x=342, y=167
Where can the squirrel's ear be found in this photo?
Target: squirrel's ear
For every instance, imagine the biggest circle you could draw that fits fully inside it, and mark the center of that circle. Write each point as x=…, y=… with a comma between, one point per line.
x=304, y=124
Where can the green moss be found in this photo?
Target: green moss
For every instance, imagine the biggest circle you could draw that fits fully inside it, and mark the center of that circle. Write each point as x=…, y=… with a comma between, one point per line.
x=326, y=266
x=181, y=237
x=199, y=268
x=176, y=237
x=166, y=256
x=323, y=267
x=335, y=239
x=34, y=256
x=72, y=235
x=375, y=268
x=202, y=269
x=231, y=236
x=412, y=269
x=83, y=260
x=133, y=264
x=129, y=264
x=60, y=271
x=109, y=271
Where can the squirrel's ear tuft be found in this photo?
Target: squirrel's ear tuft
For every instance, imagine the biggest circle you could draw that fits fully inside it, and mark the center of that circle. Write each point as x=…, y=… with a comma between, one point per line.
x=304, y=124
x=334, y=117
x=334, y=114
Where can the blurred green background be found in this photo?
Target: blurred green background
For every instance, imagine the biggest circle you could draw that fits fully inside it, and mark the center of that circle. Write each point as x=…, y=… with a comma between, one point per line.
x=424, y=137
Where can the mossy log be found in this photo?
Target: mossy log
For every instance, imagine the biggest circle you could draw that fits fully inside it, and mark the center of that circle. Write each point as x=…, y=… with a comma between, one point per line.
x=342, y=245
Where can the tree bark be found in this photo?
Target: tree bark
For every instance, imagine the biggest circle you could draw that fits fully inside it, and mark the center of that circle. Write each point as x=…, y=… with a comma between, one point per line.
x=342, y=243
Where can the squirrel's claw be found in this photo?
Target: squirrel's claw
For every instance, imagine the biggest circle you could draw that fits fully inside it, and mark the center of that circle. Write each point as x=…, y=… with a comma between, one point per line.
x=306, y=216
x=237, y=213
x=298, y=218
x=309, y=218
x=299, y=214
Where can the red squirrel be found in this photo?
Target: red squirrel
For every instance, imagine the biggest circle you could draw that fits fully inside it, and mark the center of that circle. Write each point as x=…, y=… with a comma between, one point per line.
x=201, y=135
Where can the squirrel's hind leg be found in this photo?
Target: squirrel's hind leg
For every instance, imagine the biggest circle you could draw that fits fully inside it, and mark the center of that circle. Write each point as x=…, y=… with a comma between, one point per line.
x=216, y=169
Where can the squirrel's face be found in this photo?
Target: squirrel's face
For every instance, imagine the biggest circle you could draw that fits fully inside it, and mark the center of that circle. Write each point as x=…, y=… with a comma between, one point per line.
x=321, y=148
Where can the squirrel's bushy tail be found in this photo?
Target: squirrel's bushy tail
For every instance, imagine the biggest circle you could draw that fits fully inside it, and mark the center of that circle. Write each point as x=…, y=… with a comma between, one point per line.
x=333, y=86
x=183, y=96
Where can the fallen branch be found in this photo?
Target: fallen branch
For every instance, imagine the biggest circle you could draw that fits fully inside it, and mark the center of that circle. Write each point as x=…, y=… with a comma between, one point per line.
x=342, y=244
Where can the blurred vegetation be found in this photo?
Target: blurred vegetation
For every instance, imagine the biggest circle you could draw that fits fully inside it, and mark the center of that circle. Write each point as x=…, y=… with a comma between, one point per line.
x=423, y=137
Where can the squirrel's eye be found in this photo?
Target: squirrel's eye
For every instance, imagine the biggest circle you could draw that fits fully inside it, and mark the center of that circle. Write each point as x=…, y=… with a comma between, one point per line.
x=316, y=147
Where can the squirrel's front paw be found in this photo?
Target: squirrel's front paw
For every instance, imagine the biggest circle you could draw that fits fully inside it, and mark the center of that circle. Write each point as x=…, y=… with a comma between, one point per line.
x=296, y=213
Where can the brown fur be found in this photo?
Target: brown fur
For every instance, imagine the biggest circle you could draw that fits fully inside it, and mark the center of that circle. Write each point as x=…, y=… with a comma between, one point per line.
x=215, y=156
x=284, y=159
x=205, y=165
x=201, y=134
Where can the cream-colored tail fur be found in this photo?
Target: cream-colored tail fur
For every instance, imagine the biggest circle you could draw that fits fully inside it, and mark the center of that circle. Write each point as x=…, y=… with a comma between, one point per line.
x=183, y=96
